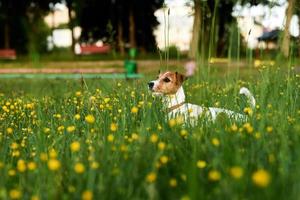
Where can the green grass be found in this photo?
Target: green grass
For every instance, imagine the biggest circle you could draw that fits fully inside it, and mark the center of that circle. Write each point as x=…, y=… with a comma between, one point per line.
x=36, y=114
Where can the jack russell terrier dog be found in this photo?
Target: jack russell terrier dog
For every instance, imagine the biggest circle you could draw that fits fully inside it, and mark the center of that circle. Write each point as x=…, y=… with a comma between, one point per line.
x=169, y=86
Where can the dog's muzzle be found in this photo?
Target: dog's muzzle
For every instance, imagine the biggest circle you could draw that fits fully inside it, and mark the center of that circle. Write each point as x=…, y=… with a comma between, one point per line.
x=150, y=85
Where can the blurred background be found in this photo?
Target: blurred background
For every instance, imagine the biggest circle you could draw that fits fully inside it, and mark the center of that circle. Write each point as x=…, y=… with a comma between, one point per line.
x=52, y=30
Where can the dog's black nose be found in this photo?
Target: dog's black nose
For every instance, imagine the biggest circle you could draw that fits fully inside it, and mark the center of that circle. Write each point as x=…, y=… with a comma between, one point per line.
x=150, y=84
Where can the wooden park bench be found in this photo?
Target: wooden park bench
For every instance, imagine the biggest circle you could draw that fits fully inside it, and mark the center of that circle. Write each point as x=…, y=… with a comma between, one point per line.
x=8, y=54
x=93, y=49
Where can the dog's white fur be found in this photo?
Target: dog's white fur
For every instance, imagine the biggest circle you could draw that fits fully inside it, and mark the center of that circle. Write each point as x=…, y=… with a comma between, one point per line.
x=192, y=112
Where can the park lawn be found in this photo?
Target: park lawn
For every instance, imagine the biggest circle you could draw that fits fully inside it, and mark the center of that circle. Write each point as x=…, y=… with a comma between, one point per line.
x=110, y=139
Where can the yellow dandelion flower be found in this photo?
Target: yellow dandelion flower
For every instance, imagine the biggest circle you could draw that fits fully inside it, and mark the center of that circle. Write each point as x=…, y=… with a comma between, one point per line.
x=15, y=194
x=183, y=133
x=215, y=142
x=16, y=153
x=172, y=122
x=75, y=146
x=214, y=175
x=87, y=195
x=236, y=172
x=77, y=116
x=52, y=153
x=35, y=197
x=110, y=138
x=21, y=166
x=9, y=130
x=79, y=168
x=249, y=129
x=173, y=182
x=248, y=111
x=134, y=136
x=90, y=119
x=154, y=138
x=257, y=135
x=31, y=166
x=201, y=164
x=161, y=146
x=164, y=159
x=261, y=178
x=14, y=145
x=11, y=172
x=234, y=128
x=46, y=130
x=53, y=164
x=106, y=100
x=94, y=165
x=113, y=127
x=60, y=128
x=269, y=129
x=43, y=157
x=134, y=110
x=151, y=177
x=71, y=129
x=78, y=94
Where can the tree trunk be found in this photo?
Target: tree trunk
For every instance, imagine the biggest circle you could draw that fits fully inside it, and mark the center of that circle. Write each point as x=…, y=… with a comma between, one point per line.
x=6, y=36
x=285, y=47
x=120, y=38
x=71, y=25
x=132, y=39
x=195, y=40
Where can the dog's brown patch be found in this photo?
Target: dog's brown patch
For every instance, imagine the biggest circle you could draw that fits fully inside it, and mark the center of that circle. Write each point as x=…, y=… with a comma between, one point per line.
x=168, y=82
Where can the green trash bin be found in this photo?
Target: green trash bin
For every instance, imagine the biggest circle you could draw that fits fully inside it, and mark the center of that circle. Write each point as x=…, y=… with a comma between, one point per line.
x=132, y=53
x=130, y=67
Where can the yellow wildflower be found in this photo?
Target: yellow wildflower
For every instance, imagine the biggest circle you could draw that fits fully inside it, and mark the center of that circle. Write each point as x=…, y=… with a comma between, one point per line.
x=15, y=194
x=134, y=110
x=161, y=145
x=31, y=165
x=71, y=129
x=214, y=175
x=79, y=168
x=269, y=129
x=78, y=94
x=215, y=142
x=234, y=128
x=154, y=138
x=151, y=177
x=172, y=122
x=173, y=182
x=164, y=159
x=75, y=146
x=261, y=178
x=201, y=164
x=90, y=119
x=21, y=166
x=87, y=195
x=248, y=128
x=77, y=116
x=248, y=111
x=113, y=127
x=53, y=164
x=110, y=137
x=9, y=130
x=236, y=172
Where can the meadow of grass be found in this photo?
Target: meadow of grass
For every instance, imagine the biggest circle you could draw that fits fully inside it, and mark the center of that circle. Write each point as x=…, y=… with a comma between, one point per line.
x=110, y=139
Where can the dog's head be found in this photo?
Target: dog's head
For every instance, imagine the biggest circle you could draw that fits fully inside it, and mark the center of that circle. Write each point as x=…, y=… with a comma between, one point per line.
x=167, y=83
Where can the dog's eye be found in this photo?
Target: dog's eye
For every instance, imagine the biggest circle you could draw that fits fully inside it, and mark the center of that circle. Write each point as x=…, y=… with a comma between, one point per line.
x=166, y=80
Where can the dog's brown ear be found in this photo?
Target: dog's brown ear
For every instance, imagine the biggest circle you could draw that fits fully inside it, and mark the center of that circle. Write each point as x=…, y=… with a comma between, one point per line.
x=180, y=77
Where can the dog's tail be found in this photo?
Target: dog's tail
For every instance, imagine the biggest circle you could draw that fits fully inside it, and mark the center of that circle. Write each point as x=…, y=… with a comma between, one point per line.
x=250, y=98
